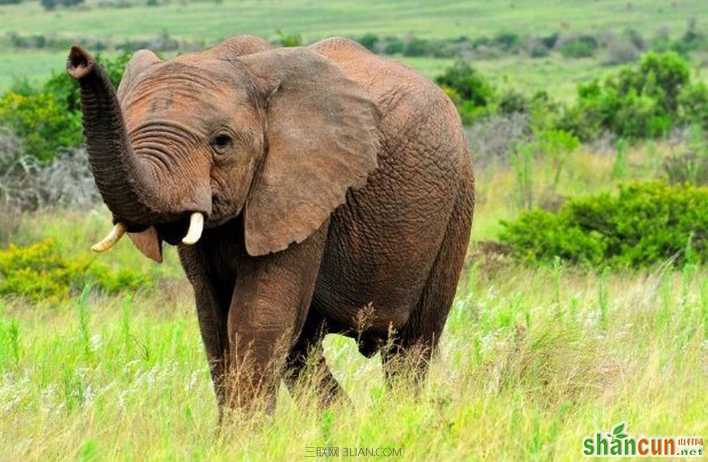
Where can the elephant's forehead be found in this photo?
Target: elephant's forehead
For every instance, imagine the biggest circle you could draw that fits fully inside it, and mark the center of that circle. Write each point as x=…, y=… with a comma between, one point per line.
x=180, y=93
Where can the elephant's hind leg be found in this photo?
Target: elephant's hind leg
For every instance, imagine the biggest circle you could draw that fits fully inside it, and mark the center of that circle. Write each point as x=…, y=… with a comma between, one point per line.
x=306, y=364
x=410, y=350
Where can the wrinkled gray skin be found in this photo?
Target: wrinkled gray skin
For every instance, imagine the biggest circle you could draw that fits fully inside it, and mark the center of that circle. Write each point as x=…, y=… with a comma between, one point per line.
x=337, y=189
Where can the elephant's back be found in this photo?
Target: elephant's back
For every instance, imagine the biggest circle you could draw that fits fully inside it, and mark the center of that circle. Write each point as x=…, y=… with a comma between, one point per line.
x=414, y=110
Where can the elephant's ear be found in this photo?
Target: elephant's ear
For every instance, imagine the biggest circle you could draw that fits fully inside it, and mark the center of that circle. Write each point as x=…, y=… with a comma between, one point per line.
x=148, y=243
x=141, y=60
x=321, y=139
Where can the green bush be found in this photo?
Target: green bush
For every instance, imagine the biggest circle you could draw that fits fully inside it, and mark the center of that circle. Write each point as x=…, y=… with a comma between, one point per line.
x=51, y=4
x=40, y=272
x=513, y=101
x=580, y=47
x=289, y=40
x=638, y=102
x=369, y=41
x=47, y=118
x=539, y=51
x=393, y=46
x=469, y=90
x=692, y=40
x=416, y=47
x=507, y=41
x=693, y=105
x=42, y=122
x=469, y=84
x=645, y=224
x=549, y=41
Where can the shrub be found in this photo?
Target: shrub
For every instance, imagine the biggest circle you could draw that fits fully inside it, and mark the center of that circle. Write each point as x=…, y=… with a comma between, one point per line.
x=621, y=52
x=48, y=118
x=513, y=101
x=538, y=50
x=393, y=46
x=661, y=76
x=549, y=41
x=645, y=224
x=415, y=47
x=468, y=89
x=507, y=41
x=369, y=41
x=634, y=37
x=693, y=105
x=42, y=122
x=580, y=47
x=51, y=4
x=693, y=39
x=467, y=83
x=289, y=40
x=637, y=102
x=39, y=272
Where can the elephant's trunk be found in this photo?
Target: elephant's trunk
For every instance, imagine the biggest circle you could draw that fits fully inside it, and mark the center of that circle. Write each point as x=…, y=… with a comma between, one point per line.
x=122, y=179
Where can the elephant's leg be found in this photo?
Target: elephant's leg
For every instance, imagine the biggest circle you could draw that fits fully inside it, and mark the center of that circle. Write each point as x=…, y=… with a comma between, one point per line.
x=411, y=349
x=271, y=300
x=306, y=364
x=212, y=299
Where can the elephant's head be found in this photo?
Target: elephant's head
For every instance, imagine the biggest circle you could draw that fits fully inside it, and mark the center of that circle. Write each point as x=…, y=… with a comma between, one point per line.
x=276, y=135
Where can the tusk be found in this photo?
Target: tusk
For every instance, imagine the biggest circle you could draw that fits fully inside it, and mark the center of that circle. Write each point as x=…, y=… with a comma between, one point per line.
x=196, y=226
x=109, y=241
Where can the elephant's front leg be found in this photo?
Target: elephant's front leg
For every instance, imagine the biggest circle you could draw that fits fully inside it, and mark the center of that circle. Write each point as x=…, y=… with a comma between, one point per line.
x=267, y=312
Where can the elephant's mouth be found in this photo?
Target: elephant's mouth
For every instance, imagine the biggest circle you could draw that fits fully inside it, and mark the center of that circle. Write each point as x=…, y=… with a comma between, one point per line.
x=173, y=232
x=186, y=229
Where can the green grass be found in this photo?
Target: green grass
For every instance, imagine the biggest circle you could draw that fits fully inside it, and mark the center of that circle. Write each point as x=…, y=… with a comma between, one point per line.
x=212, y=21
x=532, y=360
x=35, y=65
x=554, y=74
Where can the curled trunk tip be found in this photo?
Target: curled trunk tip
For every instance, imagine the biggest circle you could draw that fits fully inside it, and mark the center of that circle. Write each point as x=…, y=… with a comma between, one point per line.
x=79, y=63
x=120, y=177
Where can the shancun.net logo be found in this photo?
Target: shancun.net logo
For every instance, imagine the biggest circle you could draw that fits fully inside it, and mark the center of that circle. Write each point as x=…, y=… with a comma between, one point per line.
x=617, y=443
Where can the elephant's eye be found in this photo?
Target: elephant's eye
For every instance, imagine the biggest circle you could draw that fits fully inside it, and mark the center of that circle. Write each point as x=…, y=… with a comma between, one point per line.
x=221, y=143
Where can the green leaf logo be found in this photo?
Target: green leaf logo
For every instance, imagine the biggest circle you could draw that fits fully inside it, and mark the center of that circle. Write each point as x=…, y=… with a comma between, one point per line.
x=618, y=431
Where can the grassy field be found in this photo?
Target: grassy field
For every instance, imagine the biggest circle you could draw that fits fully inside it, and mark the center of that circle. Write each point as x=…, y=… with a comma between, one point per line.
x=532, y=360
x=524, y=74
x=554, y=74
x=212, y=21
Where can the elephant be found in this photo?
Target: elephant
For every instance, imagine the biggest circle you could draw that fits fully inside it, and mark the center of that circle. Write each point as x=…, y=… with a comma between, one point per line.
x=309, y=190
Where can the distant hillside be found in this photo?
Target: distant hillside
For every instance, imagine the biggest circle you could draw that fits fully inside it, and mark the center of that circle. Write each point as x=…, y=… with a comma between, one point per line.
x=109, y=22
x=211, y=20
